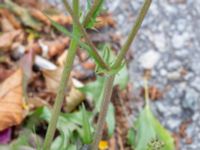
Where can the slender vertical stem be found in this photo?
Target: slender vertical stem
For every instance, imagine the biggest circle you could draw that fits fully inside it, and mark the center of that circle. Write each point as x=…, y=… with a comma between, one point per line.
x=63, y=84
x=133, y=33
x=110, y=80
x=82, y=30
x=146, y=91
x=104, y=108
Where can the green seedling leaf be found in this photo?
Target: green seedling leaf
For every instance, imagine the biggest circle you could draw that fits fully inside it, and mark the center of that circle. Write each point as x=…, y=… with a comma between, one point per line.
x=155, y=144
x=131, y=137
x=110, y=119
x=89, y=3
x=94, y=91
x=87, y=134
x=23, y=14
x=60, y=142
x=25, y=140
x=67, y=123
x=121, y=78
x=121, y=71
x=148, y=129
x=95, y=14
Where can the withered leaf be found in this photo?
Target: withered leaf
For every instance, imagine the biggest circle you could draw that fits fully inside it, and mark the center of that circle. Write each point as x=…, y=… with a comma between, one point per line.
x=11, y=101
x=7, y=39
x=52, y=79
x=23, y=14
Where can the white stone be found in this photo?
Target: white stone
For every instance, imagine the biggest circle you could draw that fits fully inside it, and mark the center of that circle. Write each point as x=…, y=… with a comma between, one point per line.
x=174, y=75
x=163, y=72
x=179, y=40
x=149, y=59
x=159, y=40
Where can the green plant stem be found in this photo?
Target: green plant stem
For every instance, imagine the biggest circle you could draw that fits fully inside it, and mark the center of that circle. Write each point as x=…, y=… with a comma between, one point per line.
x=133, y=33
x=63, y=84
x=146, y=91
x=104, y=108
x=101, y=63
x=95, y=5
x=110, y=80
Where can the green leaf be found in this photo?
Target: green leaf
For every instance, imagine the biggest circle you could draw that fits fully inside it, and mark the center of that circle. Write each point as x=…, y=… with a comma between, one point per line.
x=122, y=78
x=95, y=14
x=67, y=123
x=131, y=136
x=148, y=129
x=110, y=119
x=87, y=134
x=121, y=71
x=94, y=91
x=88, y=5
x=22, y=141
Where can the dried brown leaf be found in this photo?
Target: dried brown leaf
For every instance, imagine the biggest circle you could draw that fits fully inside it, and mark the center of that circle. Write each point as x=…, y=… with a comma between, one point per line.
x=37, y=14
x=62, y=19
x=62, y=58
x=11, y=101
x=105, y=20
x=11, y=18
x=56, y=47
x=7, y=39
x=6, y=26
x=74, y=99
x=52, y=79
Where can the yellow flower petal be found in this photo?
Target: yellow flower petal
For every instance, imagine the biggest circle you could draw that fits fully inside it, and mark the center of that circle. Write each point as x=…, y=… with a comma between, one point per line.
x=103, y=145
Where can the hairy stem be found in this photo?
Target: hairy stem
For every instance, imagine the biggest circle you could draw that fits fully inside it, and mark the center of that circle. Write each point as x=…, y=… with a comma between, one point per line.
x=104, y=108
x=91, y=12
x=133, y=33
x=97, y=57
x=110, y=80
x=63, y=84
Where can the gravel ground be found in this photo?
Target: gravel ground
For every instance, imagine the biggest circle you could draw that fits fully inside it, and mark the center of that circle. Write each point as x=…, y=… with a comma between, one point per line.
x=168, y=43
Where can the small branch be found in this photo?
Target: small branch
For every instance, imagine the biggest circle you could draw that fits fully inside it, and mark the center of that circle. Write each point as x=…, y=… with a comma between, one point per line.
x=97, y=57
x=146, y=91
x=104, y=108
x=110, y=80
x=62, y=87
x=133, y=33
x=91, y=12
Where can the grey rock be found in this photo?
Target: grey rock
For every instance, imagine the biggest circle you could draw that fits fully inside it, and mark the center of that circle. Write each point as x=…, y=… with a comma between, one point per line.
x=182, y=53
x=161, y=108
x=188, y=76
x=195, y=66
x=181, y=25
x=174, y=65
x=173, y=123
x=190, y=101
x=196, y=83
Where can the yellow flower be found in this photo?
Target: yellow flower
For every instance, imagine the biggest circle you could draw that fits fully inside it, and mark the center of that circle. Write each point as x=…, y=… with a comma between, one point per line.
x=103, y=145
